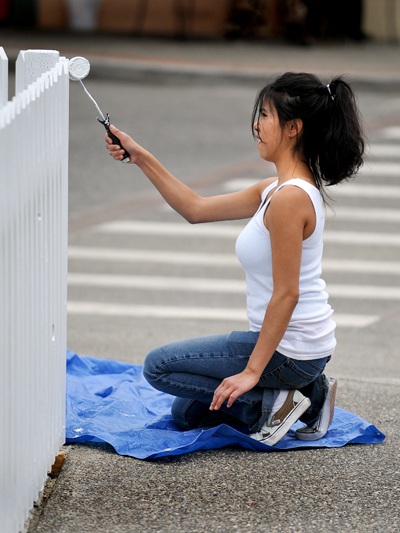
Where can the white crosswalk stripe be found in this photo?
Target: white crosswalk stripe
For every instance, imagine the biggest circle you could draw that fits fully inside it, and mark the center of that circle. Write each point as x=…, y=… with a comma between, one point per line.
x=386, y=150
x=365, y=214
x=211, y=273
x=232, y=231
x=197, y=313
x=203, y=285
x=386, y=168
x=215, y=259
x=392, y=133
x=152, y=256
x=346, y=190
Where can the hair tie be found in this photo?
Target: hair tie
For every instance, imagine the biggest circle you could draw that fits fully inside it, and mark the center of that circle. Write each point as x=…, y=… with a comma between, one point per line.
x=330, y=92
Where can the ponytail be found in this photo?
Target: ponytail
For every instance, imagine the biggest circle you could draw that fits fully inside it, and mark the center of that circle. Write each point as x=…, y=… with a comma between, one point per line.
x=332, y=140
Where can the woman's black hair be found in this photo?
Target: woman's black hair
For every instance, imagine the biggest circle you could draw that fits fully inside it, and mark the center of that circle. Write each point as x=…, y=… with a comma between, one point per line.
x=331, y=141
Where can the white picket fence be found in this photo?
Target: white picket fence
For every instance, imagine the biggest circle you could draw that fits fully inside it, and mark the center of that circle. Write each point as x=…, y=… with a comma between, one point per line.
x=33, y=274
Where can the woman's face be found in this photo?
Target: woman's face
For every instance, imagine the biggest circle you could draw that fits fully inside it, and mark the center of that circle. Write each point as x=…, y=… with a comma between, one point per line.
x=269, y=133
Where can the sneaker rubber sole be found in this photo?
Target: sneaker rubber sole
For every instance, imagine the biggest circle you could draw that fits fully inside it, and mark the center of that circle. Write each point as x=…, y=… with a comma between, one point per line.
x=320, y=429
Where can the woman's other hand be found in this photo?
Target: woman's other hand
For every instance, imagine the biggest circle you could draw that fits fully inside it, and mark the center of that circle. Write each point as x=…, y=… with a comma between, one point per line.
x=233, y=387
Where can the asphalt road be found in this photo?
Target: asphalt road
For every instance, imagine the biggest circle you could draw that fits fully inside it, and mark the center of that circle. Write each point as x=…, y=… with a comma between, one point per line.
x=134, y=283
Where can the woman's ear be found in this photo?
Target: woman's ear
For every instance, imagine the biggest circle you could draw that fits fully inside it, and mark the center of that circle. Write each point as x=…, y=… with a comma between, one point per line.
x=295, y=127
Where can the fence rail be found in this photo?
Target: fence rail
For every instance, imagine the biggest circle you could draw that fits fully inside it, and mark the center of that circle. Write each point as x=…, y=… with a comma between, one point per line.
x=33, y=274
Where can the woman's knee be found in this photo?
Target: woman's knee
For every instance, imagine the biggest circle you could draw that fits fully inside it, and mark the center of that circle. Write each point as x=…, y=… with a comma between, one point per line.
x=152, y=365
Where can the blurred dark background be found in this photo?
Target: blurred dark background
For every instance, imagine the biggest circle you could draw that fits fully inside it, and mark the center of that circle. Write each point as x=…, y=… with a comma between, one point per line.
x=300, y=21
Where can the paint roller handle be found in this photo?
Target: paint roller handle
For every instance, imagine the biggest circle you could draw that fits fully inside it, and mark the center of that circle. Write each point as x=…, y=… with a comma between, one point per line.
x=114, y=138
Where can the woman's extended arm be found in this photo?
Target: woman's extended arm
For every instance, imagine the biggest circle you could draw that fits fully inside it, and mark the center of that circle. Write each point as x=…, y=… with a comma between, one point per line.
x=179, y=196
x=288, y=217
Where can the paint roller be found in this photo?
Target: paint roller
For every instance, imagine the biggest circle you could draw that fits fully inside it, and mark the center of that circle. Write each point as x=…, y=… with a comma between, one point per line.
x=79, y=68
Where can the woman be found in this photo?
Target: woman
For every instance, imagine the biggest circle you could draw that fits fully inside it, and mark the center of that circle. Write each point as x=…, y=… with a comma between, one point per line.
x=272, y=375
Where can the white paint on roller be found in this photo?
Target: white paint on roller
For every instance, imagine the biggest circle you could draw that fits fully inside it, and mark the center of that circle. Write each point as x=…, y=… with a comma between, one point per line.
x=79, y=68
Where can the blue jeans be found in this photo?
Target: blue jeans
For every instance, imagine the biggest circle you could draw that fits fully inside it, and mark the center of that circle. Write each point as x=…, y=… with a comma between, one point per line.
x=192, y=369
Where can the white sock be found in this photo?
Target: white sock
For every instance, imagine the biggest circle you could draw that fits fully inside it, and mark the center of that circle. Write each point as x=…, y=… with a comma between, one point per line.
x=281, y=399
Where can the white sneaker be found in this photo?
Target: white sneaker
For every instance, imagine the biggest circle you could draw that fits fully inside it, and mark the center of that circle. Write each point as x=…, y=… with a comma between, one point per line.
x=321, y=426
x=277, y=425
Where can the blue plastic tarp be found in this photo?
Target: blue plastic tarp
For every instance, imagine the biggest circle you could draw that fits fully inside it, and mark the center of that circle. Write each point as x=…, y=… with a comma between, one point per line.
x=110, y=401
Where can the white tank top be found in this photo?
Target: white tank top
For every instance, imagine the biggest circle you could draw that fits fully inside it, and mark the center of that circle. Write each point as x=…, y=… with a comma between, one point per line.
x=311, y=330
